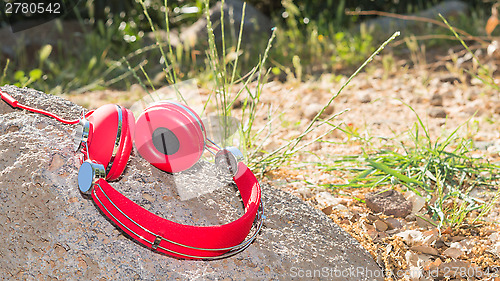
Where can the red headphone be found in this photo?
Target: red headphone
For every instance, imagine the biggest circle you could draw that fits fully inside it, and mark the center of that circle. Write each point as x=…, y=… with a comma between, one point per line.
x=172, y=137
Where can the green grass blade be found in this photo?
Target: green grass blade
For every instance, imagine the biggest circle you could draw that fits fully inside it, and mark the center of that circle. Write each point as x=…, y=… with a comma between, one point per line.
x=384, y=168
x=361, y=176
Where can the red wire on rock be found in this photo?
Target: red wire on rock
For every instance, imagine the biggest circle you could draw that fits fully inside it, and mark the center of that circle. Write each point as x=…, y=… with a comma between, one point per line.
x=14, y=103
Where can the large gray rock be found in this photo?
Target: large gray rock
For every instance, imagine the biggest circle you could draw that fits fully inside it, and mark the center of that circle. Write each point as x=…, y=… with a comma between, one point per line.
x=49, y=231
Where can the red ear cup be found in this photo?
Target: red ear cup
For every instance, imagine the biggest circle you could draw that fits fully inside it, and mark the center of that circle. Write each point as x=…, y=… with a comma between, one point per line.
x=170, y=136
x=110, y=141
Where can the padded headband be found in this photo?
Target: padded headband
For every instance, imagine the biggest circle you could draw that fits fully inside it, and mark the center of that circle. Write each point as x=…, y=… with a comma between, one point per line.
x=179, y=240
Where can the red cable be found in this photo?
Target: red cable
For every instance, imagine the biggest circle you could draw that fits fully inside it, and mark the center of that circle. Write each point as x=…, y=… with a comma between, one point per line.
x=70, y=122
x=14, y=103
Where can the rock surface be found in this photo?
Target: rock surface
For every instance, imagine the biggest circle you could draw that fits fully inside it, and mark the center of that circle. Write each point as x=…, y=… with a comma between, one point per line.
x=49, y=231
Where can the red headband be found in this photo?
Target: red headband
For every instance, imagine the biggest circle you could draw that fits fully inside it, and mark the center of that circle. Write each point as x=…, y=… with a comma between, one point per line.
x=179, y=240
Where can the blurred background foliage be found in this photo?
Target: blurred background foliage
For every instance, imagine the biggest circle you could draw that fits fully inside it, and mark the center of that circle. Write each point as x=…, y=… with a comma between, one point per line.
x=323, y=12
x=313, y=37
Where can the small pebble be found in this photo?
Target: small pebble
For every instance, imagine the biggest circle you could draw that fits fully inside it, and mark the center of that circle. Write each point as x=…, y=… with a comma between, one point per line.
x=380, y=225
x=437, y=112
x=439, y=243
x=425, y=250
x=393, y=223
x=328, y=210
x=450, y=79
x=355, y=217
x=390, y=202
x=364, y=98
x=452, y=253
x=437, y=100
x=372, y=217
x=410, y=217
x=312, y=110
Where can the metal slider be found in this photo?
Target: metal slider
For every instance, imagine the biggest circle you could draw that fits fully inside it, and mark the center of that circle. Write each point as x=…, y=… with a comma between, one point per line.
x=81, y=133
x=156, y=243
x=227, y=159
x=88, y=174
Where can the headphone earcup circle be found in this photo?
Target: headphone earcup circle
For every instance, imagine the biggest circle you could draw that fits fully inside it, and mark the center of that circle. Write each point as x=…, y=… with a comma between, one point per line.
x=169, y=136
